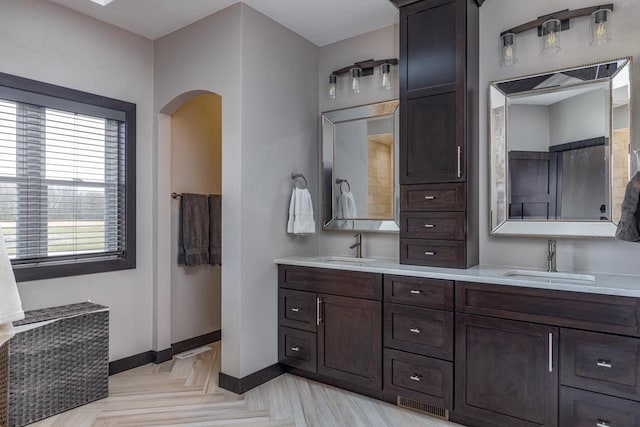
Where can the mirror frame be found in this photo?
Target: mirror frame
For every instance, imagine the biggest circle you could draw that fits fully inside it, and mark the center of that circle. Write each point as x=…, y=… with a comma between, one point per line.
x=327, y=162
x=543, y=228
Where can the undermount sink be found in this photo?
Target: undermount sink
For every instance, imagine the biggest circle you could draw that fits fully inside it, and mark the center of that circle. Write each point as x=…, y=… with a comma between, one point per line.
x=344, y=259
x=550, y=275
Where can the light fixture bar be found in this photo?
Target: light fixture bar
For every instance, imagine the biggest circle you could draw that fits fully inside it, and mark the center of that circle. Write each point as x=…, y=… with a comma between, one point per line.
x=563, y=16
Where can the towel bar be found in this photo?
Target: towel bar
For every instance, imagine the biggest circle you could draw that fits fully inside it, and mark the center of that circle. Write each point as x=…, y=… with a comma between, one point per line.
x=295, y=176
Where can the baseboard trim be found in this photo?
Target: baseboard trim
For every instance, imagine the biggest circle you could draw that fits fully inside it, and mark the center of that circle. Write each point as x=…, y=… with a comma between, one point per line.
x=242, y=385
x=191, y=343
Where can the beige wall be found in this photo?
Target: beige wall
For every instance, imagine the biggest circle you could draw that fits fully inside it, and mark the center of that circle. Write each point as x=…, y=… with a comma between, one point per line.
x=196, y=167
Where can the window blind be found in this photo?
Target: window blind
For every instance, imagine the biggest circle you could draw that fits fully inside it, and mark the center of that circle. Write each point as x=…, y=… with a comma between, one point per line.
x=62, y=179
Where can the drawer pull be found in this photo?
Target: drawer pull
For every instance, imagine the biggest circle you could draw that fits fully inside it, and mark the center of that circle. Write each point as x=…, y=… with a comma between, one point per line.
x=416, y=292
x=429, y=226
x=297, y=348
x=429, y=197
x=602, y=423
x=415, y=330
x=604, y=364
x=295, y=309
x=429, y=253
x=415, y=377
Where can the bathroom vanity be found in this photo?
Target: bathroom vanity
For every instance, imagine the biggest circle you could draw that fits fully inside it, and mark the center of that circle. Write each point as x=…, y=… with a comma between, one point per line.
x=488, y=346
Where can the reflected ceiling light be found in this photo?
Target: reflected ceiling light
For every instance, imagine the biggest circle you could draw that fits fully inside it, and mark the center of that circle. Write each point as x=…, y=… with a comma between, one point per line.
x=102, y=2
x=550, y=27
x=362, y=69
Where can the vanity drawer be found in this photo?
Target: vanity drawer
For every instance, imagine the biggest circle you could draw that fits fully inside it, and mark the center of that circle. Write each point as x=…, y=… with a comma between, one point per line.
x=421, y=292
x=603, y=363
x=297, y=309
x=336, y=282
x=603, y=313
x=580, y=408
x=434, y=253
x=432, y=225
x=297, y=348
x=417, y=377
x=419, y=330
x=433, y=197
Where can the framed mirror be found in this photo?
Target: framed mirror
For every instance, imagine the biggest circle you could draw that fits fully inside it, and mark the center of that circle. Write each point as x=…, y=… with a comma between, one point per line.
x=559, y=151
x=360, y=186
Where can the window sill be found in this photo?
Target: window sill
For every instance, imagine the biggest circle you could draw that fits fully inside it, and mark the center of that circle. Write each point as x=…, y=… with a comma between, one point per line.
x=26, y=273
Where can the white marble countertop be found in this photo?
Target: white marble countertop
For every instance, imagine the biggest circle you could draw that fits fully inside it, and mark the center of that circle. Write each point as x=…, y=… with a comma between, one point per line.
x=606, y=284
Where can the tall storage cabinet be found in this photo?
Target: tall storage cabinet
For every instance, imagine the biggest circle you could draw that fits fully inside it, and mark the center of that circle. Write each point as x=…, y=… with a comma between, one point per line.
x=439, y=132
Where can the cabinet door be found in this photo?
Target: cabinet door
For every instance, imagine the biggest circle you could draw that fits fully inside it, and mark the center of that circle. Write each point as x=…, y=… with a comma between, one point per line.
x=350, y=340
x=432, y=92
x=506, y=371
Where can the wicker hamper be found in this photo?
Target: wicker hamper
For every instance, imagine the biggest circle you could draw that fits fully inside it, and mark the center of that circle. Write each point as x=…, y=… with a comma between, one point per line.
x=59, y=360
x=4, y=384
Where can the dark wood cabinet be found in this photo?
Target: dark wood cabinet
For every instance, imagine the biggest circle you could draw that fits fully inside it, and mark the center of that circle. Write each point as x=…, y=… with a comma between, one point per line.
x=485, y=355
x=330, y=323
x=438, y=126
x=350, y=340
x=602, y=363
x=506, y=371
x=580, y=408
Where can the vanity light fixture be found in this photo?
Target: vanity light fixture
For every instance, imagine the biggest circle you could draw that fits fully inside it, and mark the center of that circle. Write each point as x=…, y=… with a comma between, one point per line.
x=102, y=2
x=333, y=83
x=601, y=27
x=362, y=69
x=385, y=71
x=550, y=27
x=356, y=73
x=551, y=36
x=508, y=49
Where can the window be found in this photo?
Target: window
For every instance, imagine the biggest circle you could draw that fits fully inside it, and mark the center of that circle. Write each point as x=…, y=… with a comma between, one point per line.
x=67, y=180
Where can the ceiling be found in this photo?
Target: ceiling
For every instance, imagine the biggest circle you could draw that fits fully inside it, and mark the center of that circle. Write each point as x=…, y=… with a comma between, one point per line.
x=320, y=21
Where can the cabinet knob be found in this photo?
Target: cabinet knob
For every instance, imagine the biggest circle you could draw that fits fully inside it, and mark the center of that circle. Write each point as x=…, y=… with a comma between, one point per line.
x=604, y=364
x=429, y=226
x=296, y=348
x=415, y=377
x=429, y=253
x=602, y=423
x=415, y=330
x=416, y=291
x=295, y=309
x=429, y=197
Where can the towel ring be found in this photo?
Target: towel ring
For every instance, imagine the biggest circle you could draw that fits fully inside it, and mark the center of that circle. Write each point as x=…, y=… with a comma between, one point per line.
x=340, y=181
x=295, y=176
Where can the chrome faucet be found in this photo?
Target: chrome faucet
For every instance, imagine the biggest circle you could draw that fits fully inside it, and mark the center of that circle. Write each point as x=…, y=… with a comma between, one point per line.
x=551, y=258
x=357, y=245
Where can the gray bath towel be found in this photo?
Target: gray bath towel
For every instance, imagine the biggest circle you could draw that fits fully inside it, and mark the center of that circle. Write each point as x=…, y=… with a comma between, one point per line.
x=215, y=229
x=194, y=230
x=629, y=225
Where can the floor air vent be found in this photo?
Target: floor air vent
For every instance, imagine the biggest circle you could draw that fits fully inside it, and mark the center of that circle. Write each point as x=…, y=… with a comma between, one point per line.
x=414, y=405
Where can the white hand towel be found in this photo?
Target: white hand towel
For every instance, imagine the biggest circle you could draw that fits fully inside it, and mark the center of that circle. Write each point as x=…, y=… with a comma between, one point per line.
x=10, y=304
x=292, y=212
x=347, y=205
x=301, y=213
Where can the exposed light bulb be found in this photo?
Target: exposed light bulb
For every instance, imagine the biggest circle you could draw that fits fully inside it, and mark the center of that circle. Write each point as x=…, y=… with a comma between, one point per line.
x=601, y=27
x=551, y=36
x=385, y=69
x=333, y=80
x=508, y=49
x=356, y=72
